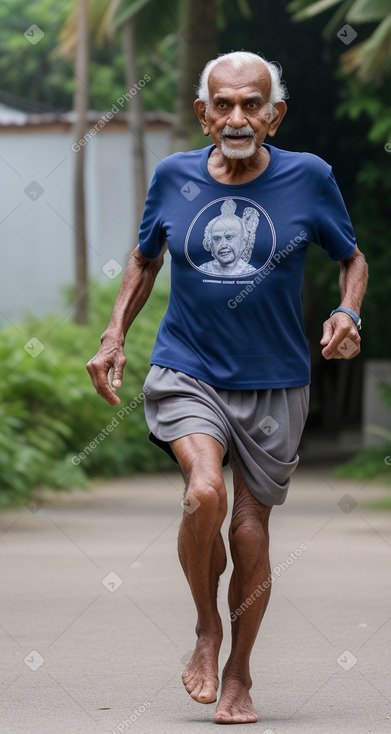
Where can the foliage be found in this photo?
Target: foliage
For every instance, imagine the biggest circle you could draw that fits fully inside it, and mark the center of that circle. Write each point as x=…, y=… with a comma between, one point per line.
x=44, y=78
x=360, y=100
x=370, y=209
x=49, y=410
x=382, y=503
x=371, y=58
x=366, y=93
x=372, y=462
x=368, y=464
x=47, y=80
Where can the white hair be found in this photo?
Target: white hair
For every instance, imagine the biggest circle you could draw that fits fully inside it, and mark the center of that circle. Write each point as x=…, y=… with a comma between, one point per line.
x=238, y=60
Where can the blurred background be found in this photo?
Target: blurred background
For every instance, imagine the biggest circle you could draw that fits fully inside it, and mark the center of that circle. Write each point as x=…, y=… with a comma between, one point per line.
x=93, y=94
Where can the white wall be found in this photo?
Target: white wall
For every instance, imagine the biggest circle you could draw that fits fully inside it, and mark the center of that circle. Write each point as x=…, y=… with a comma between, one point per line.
x=375, y=411
x=36, y=236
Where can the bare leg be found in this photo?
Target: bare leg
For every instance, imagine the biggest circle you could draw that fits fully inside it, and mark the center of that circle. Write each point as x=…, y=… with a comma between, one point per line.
x=202, y=555
x=249, y=543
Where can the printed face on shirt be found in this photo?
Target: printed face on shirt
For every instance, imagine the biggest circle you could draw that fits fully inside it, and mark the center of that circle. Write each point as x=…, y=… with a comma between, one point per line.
x=227, y=241
x=235, y=234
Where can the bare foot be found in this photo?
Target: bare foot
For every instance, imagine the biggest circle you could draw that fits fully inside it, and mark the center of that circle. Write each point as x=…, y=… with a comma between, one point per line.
x=235, y=705
x=200, y=675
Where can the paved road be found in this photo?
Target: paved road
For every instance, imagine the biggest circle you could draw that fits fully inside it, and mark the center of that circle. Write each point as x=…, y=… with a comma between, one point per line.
x=96, y=619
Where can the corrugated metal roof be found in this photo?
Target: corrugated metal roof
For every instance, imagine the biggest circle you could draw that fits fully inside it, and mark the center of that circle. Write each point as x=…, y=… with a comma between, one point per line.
x=10, y=116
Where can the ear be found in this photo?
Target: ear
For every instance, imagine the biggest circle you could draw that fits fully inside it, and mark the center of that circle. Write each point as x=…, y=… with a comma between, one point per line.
x=280, y=108
x=200, y=110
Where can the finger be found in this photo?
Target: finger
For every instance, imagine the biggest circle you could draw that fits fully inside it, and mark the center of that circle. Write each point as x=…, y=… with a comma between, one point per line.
x=118, y=371
x=114, y=377
x=333, y=355
x=99, y=377
x=329, y=350
x=347, y=348
x=117, y=377
x=110, y=379
x=338, y=336
x=327, y=333
x=105, y=391
x=109, y=396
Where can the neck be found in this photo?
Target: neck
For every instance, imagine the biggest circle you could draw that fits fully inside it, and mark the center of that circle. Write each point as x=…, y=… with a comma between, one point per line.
x=237, y=170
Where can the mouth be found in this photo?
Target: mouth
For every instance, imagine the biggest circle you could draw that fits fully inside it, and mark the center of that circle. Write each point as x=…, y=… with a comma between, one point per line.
x=238, y=138
x=224, y=251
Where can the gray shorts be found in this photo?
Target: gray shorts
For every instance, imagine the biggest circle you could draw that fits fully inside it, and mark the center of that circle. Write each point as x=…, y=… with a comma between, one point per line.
x=260, y=430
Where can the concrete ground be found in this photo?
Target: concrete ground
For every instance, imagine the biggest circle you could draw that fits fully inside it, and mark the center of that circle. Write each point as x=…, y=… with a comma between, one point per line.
x=97, y=622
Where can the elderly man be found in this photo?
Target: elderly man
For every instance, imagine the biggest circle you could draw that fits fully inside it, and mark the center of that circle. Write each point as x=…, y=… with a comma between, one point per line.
x=231, y=384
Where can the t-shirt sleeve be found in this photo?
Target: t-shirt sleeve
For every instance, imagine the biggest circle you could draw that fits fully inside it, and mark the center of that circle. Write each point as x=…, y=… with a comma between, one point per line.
x=334, y=229
x=152, y=234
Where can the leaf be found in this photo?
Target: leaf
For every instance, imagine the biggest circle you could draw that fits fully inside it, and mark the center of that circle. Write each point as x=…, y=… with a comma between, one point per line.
x=127, y=10
x=370, y=57
x=337, y=19
x=367, y=11
x=312, y=9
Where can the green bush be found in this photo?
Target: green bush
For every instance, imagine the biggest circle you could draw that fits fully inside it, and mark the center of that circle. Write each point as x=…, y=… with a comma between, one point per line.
x=372, y=462
x=368, y=464
x=50, y=412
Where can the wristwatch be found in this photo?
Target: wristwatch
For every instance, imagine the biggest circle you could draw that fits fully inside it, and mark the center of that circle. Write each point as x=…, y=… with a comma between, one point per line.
x=350, y=313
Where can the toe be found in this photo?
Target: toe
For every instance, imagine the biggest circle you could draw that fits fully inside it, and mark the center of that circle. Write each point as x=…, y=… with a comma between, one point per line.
x=235, y=706
x=208, y=693
x=235, y=717
x=202, y=691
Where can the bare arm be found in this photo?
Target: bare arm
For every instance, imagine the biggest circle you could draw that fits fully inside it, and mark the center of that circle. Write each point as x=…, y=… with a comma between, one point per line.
x=135, y=289
x=353, y=280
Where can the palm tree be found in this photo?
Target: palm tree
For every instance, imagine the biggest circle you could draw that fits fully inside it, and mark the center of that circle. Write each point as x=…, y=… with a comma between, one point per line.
x=104, y=17
x=81, y=108
x=195, y=27
x=197, y=44
x=370, y=59
x=137, y=121
x=96, y=17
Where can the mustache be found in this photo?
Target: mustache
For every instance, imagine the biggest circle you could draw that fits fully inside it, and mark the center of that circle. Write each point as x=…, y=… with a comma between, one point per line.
x=235, y=132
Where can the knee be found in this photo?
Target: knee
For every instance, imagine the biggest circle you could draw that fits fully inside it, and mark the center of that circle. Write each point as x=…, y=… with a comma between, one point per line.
x=249, y=540
x=209, y=491
x=249, y=528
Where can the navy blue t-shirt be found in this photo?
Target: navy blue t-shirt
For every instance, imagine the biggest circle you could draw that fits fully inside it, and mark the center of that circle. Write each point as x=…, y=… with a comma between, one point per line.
x=235, y=315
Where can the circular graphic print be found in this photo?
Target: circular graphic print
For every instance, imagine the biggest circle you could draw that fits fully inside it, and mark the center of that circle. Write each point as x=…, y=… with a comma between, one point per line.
x=231, y=237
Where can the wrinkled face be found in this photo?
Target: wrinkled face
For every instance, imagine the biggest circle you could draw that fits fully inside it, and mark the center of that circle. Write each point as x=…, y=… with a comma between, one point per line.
x=239, y=114
x=227, y=241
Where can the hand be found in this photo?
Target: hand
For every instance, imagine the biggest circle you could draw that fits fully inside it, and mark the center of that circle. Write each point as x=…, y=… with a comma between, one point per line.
x=341, y=339
x=110, y=356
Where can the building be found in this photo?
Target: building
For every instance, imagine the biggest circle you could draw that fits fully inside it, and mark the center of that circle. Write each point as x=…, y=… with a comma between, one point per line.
x=37, y=156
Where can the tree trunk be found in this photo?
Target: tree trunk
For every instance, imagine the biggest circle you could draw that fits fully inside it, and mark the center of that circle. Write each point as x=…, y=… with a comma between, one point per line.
x=197, y=44
x=81, y=108
x=136, y=123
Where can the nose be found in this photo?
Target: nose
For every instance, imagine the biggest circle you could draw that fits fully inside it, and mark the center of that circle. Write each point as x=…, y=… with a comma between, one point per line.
x=237, y=118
